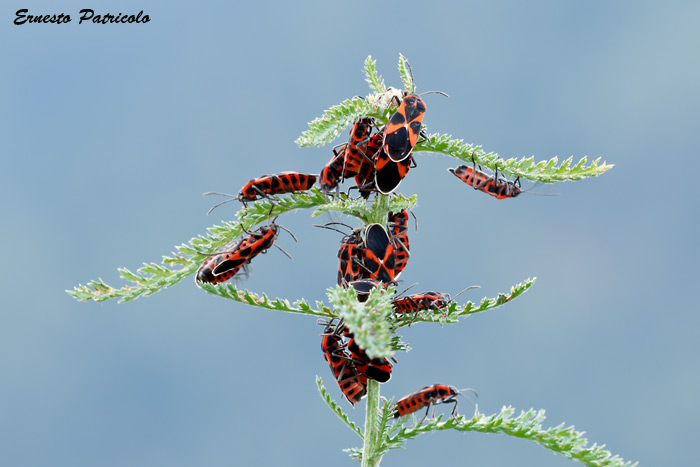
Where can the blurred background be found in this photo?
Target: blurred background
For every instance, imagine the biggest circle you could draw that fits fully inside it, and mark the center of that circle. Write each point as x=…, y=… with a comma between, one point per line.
x=111, y=133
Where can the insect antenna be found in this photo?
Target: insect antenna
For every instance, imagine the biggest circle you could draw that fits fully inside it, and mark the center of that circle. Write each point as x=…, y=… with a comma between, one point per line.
x=231, y=198
x=464, y=290
x=287, y=230
x=280, y=249
x=435, y=92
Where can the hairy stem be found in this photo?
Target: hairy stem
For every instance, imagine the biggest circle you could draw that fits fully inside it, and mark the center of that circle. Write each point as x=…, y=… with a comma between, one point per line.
x=370, y=456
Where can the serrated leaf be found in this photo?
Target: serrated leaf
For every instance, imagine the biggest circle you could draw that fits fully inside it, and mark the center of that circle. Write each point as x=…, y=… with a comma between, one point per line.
x=406, y=75
x=376, y=83
x=543, y=171
x=336, y=408
x=153, y=277
x=528, y=425
x=325, y=129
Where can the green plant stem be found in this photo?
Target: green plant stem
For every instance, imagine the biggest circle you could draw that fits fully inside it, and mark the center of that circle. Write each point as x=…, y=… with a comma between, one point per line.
x=370, y=457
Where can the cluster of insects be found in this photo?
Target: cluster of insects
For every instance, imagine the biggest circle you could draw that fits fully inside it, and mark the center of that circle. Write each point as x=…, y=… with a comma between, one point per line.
x=378, y=157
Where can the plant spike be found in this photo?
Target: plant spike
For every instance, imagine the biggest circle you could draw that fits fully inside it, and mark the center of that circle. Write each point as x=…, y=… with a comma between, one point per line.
x=406, y=75
x=375, y=81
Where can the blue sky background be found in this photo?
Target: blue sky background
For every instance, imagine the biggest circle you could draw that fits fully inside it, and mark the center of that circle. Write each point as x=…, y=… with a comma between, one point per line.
x=110, y=133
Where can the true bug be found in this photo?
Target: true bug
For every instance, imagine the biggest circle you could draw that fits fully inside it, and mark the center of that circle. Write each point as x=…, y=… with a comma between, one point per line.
x=332, y=173
x=430, y=300
x=500, y=188
x=402, y=131
x=366, y=176
x=398, y=223
x=388, y=173
x=344, y=371
x=378, y=369
x=349, y=157
x=351, y=258
x=355, y=150
x=404, y=126
x=414, y=303
x=379, y=254
x=266, y=186
x=222, y=266
x=427, y=396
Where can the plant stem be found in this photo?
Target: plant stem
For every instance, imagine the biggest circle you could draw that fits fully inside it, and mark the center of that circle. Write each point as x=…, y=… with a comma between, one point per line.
x=380, y=209
x=371, y=437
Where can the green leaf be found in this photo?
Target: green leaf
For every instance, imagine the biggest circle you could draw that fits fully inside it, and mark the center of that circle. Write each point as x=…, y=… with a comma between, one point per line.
x=376, y=83
x=452, y=313
x=406, y=75
x=343, y=203
x=229, y=291
x=528, y=425
x=325, y=129
x=336, y=408
x=545, y=172
x=367, y=321
x=153, y=277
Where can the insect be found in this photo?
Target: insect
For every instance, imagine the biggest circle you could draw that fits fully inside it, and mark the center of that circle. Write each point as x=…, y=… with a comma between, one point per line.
x=222, y=266
x=379, y=254
x=344, y=371
x=332, y=173
x=388, y=173
x=378, y=369
x=285, y=182
x=398, y=222
x=500, y=188
x=355, y=150
x=365, y=178
x=266, y=186
x=401, y=133
x=427, y=396
x=430, y=300
x=404, y=126
x=351, y=256
x=349, y=157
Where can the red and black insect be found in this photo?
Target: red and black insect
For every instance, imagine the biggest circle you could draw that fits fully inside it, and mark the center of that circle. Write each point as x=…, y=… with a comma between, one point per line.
x=353, y=385
x=355, y=151
x=365, y=178
x=427, y=396
x=500, y=188
x=398, y=223
x=378, y=369
x=388, y=173
x=430, y=300
x=351, y=258
x=332, y=173
x=349, y=157
x=379, y=254
x=404, y=127
x=266, y=186
x=222, y=266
